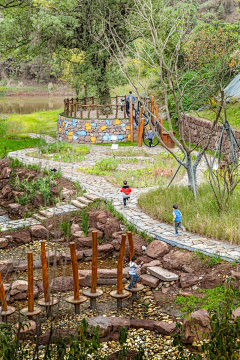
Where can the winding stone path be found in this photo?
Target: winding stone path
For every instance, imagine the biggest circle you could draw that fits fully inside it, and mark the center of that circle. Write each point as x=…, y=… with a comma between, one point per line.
x=99, y=186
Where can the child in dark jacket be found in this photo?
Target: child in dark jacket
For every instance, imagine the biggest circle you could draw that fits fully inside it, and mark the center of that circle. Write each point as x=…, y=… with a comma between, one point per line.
x=125, y=190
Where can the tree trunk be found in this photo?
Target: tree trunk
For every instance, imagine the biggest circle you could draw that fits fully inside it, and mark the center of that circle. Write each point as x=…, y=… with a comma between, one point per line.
x=101, y=82
x=192, y=176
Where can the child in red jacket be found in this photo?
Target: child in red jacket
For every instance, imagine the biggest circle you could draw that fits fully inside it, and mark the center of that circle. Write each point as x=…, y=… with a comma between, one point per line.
x=125, y=190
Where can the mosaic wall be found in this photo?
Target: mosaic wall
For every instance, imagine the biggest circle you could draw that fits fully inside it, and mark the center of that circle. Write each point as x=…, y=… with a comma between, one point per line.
x=99, y=131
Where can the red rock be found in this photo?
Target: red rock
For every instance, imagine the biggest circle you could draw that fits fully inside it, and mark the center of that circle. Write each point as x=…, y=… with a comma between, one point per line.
x=118, y=322
x=142, y=323
x=78, y=234
x=116, y=244
x=176, y=259
x=22, y=237
x=5, y=173
x=29, y=330
x=105, y=325
x=14, y=208
x=83, y=242
x=95, y=217
x=58, y=284
x=99, y=232
x=56, y=233
x=74, y=228
x=188, y=280
x=6, y=267
x=6, y=190
x=212, y=280
x=39, y=231
x=187, y=269
x=151, y=263
x=3, y=243
x=54, y=335
x=52, y=256
x=20, y=265
x=105, y=273
x=164, y=328
x=112, y=225
x=149, y=280
x=196, y=326
x=157, y=249
x=144, y=259
x=2, y=184
x=103, y=251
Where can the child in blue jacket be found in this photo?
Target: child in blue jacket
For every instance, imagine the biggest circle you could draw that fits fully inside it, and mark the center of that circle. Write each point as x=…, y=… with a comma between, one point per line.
x=177, y=218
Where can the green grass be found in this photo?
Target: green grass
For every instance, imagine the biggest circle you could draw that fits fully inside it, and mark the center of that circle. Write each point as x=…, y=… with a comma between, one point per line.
x=42, y=122
x=210, y=301
x=200, y=217
x=17, y=143
x=233, y=115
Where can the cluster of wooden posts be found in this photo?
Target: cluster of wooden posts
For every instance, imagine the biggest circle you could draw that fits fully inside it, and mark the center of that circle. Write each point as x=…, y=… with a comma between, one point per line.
x=93, y=293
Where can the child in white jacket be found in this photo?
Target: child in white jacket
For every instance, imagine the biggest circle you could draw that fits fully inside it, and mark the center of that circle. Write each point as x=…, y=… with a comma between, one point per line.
x=133, y=273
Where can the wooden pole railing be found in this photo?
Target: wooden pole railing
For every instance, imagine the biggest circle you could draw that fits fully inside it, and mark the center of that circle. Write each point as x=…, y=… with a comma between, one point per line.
x=120, y=265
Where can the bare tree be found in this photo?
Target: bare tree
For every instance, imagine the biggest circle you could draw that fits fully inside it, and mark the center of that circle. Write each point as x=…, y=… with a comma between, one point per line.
x=162, y=32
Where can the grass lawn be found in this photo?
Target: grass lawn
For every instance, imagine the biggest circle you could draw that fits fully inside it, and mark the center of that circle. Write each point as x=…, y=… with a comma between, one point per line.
x=233, y=115
x=201, y=217
x=16, y=143
x=42, y=122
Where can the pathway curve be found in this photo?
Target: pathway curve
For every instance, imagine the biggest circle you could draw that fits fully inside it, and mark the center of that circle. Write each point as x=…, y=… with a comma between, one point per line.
x=133, y=214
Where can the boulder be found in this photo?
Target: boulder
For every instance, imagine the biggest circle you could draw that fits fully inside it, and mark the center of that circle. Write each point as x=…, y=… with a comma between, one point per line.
x=14, y=208
x=142, y=323
x=118, y=322
x=150, y=264
x=157, y=249
x=187, y=269
x=39, y=231
x=56, y=233
x=19, y=286
x=211, y=280
x=197, y=326
x=103, y=251
x=116, y=244
x=6, y=267
x=59, y=284
x=95, y=217
x=6, y=190
x=188, y=280
x=164, y=328
x=83, y=242
x=176, y=259
x=112, y=226
x=56, y=334
x=22, y=237
x=74, y=228
x=105, y=273
x=99, y=232
x=3, y=243
x=28, y=330
x=20, y=265
x=78, y=234
x=52, y=256
x=149, y=280
x=104, y=324
x=5, y=173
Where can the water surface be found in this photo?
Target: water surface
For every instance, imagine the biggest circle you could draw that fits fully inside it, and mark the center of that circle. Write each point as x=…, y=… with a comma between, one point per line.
x=28, y=105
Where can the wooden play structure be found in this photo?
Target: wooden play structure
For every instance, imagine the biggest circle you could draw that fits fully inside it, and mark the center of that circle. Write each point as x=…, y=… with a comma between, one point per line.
x=6, y=310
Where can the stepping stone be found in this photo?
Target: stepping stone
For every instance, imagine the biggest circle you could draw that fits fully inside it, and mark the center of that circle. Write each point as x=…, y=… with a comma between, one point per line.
x=162, y=274
x=46, y=213
x=91, y=197
x=84, y=200
x=149, y=280
x=39, y=217
x=78, y=204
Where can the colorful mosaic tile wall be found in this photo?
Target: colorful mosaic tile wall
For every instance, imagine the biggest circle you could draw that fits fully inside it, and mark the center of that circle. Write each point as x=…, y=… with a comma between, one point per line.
x=97, y=131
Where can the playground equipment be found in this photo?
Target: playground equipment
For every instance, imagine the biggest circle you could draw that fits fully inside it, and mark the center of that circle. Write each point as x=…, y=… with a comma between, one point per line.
x=76, y=300
x=93, y=293
x=47, y=301
x=5, y=309
x=30, y=311
x=120, y=294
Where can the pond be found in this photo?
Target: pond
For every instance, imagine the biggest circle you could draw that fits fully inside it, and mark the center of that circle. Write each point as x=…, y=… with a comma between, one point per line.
x=30, y=104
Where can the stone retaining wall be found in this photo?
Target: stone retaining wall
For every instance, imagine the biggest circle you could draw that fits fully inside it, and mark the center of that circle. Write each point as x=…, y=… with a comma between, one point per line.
x=95, y=131
x=196, y=129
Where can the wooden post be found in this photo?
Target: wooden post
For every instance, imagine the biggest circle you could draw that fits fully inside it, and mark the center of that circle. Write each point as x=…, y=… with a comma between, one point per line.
x=139, y=126
x=131, y=245
x=152, y=110
x=2, y=295
x=94, y=262
x=125, y=106
x=30, y=283
x=75, y=110
x=131, y=119
x=120, y=265
x=92, y=99
x=141, y=131
x=45, y=272
x=75, y=270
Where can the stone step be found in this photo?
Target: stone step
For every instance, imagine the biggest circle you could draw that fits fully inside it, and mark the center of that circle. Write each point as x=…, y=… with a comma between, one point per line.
x=78, y=204
x=149, y=280
x=92, y=197
x=84, y=200
x=46, y=213
x=39, y=217
x=162, y=274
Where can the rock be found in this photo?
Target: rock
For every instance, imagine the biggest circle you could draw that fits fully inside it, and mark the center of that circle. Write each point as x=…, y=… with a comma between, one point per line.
x=176, y=259
x=37, y=201
x=116, y=244
x=210, y=281
x=157, y=249
x=142, y=323
x=67, y=194
x=39, y=231
x=14, y=208
x=187, y=269
x=105, y=273
x=196, y=326
x=74, y=228
x=118, y=322
x=150, y=264
x=95, y=217
x=162, y=274
x=2, y=184
x=56, y=233
x=56, y=334
x=83, y=242
x=15, y=296
x=20, y=265
x=112, y=225
x=5, y=173
x=149, y=280
x=22, y=237
x=52, y=256
x=104, y=324
x=6, y=190
x=3, y=243
x=164, y=328
x=6, y=267
x=188, y=280
x=58, y=284
x=99, y=232
x=236, y=312
x=144, y=259
x=29, y=330
x=37, y=264
x=19, y=285
x=78, y=234
x=103, y=251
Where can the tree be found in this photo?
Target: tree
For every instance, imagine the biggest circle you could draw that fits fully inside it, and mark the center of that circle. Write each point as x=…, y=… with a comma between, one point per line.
x=165, y=32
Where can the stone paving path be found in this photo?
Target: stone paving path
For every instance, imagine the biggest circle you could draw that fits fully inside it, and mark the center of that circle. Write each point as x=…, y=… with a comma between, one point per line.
x=99, y=186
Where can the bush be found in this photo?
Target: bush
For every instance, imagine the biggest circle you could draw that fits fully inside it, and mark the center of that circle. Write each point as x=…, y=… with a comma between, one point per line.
x=107, y=165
